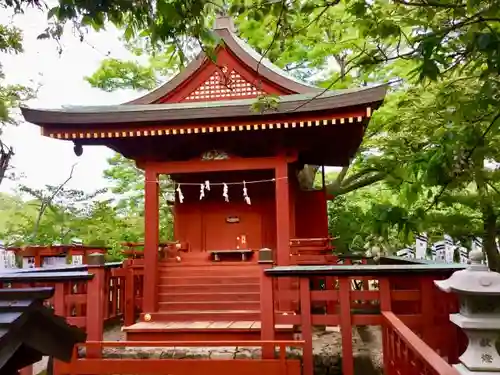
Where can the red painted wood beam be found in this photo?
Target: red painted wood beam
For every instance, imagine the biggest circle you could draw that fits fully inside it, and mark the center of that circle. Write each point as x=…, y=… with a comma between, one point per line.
x=199, y=166
x=282, y=223
x=282, y=213
x=151, y=240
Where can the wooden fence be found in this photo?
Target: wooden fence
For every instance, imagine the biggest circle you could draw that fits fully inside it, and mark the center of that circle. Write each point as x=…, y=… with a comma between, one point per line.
x=78, y=289
x=406, y=353
x=417, y=334
x=361, y=295
x=93, y=363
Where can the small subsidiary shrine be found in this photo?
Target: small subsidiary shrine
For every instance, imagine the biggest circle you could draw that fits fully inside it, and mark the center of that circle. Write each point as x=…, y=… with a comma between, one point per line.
x=235, y=169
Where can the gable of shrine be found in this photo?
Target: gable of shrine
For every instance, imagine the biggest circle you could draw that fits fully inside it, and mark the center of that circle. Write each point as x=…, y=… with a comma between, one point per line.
x=226, y=78
x=236, y=72
x=224, y=85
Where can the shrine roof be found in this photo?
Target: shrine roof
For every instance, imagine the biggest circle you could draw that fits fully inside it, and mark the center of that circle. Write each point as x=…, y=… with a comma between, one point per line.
x=226, y=31
x=29, y=330
x=114, y=114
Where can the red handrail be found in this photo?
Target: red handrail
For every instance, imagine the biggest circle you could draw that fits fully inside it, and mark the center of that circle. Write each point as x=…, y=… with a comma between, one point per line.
x=426, y=354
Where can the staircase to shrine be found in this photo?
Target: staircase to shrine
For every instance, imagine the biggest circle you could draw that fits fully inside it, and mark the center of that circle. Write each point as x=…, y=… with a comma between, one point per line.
x=218, y=291
x=205, y=300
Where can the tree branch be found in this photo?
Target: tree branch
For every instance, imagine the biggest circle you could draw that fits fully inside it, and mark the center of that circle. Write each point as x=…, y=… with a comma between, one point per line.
x=6, y=154
x=356, y=176
x=467, y=158
x=332, y=188
x=435, y=4
x=47, y=201
x=342, y=174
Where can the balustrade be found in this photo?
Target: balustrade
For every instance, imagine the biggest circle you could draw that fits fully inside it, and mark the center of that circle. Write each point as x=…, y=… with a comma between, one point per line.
x=357, y=295
x=418, y=337
x=73, y=285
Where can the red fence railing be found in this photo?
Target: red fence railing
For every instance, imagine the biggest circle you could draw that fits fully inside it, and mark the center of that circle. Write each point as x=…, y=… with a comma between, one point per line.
x=91, y=361
x=407, y=291
x=405, y=353
x=134, y=278
x=71, y=297
x=402, y=299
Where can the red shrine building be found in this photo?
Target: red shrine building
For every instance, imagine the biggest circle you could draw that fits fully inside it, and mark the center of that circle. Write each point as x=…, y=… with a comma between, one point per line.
x=235, y=170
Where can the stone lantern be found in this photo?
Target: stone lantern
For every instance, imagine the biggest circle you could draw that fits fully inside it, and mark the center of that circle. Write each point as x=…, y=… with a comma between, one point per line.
x=478, y=290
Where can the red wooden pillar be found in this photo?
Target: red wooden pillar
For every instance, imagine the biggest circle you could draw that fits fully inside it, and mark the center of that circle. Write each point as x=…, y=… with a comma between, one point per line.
x=95, y=303
x=95, y=307
x=306, y=325
x=385, y=305
x=129, y=304
x=346, y=325
x=428, y=307
x=282, y=213
x=266, y=303
x=38, y=258
x=282, y=257
x=151, y=238
x=292, y=189
x=61, y=309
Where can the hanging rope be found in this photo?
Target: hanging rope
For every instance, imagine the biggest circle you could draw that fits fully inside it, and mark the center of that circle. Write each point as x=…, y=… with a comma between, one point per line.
x=206, y=186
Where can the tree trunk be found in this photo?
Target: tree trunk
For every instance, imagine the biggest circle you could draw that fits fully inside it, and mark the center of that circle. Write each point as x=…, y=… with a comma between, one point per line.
x=489, y=237
x=5, y=156
x=487, y=210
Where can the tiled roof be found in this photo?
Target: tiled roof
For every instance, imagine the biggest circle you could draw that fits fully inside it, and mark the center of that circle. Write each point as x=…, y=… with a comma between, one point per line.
x=29, y=330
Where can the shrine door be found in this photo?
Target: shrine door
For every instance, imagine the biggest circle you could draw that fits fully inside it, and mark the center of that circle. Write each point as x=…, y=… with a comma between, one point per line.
x=229, y=228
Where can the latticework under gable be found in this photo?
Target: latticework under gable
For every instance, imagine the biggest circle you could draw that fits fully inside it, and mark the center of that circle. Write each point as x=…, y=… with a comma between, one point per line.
x=223, y=86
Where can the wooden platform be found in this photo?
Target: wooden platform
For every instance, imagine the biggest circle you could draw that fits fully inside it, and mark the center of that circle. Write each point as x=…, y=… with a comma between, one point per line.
x=209, y=330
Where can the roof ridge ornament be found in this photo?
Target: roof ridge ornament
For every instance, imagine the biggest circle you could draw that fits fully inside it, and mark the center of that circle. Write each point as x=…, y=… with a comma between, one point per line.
x=223, y=20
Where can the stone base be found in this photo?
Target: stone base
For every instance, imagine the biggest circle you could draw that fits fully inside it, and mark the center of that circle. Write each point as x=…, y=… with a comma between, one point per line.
x=465, y=371
x=188, y=353
x=324, y=363
x=327, y=351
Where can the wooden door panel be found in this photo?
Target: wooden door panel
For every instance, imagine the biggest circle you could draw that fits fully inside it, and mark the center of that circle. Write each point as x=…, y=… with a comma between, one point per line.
x=222, y=235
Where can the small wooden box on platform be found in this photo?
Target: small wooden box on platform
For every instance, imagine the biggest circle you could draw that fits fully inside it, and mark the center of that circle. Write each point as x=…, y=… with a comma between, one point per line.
x=478, y=289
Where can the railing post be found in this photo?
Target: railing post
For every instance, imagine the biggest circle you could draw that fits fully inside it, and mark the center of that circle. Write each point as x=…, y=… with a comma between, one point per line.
x=59, y=299
x=346, y=325
x=266, y=303
x=384, y=287
x=306, y=325
x=95, y=300
x=129, y=303
x=107, y=292
x=427, y=309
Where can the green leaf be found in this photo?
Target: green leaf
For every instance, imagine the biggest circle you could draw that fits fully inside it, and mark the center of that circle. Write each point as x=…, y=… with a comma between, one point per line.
x=52, y=12
x=44, y=35
x=129, y=32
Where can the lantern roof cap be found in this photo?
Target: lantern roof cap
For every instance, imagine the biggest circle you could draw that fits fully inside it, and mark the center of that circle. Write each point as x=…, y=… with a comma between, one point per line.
x=477, y=279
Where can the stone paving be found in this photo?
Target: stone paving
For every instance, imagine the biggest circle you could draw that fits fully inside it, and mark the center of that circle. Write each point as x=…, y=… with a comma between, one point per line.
x=326, y=351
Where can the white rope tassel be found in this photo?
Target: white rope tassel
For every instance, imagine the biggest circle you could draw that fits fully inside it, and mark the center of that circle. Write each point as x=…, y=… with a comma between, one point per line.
x=245, y=194
x=225, y=192
x=207, y=185
x=179, y=193
x=202, y=191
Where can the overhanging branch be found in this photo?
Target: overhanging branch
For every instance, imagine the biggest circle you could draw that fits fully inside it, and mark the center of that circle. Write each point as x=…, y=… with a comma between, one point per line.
x=6, y=154
x=335, y=190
